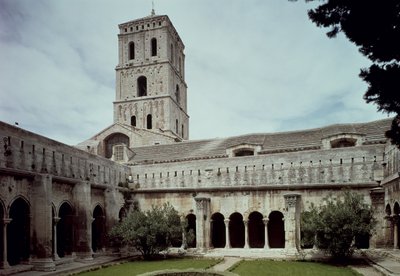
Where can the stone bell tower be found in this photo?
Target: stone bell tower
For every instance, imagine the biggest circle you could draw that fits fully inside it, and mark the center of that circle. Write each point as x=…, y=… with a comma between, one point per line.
x=150, y=81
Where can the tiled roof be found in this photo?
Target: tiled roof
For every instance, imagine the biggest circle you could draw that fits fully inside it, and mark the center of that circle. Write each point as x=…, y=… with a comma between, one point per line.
x=373, y=132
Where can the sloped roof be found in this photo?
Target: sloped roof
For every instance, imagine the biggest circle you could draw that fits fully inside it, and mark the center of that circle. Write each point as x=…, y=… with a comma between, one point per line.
x=373, y=132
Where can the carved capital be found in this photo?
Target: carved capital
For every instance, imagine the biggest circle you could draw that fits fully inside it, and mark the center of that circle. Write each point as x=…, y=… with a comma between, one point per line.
x=291, y=200
x=201, y=202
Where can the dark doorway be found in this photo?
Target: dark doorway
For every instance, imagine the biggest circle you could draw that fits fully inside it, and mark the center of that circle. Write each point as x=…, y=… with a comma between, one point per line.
x=18, y=232
x=276, y=230
x=191, y=230
x=65, y=230
x=98, y=228
x=236, y=230
x=218, y=238
x=256, y=230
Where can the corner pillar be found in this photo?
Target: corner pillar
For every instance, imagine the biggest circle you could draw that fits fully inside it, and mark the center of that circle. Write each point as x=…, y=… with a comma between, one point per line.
x=202, y=223
x=378, y=204
x=42, y=223
x=292, y=221
x=83, y=221
x=55, y=221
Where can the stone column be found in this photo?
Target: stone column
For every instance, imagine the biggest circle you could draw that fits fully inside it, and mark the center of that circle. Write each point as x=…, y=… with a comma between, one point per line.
x=3, y=262
x=292, y=222
x=83, y=221
x=227, y=238
x=202, y=223
x=378, y=204
x=246, y=233
x=55, y=221
x=266, y=244
x=211, y=231
x=395, y=220
x=42, y=223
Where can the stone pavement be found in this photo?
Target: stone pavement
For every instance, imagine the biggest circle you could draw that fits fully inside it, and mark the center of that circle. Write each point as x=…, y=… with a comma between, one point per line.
x=227, y=263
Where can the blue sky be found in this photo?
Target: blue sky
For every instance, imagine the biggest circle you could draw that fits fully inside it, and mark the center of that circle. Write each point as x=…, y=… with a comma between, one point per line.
x=251, y=66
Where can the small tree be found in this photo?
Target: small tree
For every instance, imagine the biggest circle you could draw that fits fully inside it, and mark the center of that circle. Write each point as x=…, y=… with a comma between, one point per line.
x=338, y=224
x=149, y=232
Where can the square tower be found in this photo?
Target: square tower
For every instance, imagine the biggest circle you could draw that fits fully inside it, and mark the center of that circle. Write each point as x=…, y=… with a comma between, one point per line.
x=150, y=77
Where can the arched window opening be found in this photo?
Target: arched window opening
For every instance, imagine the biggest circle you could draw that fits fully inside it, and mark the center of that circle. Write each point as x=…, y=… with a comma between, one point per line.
x=133, y=121
x=172, y=53
x=396, y=209
x=176, y=126
x=343, y=143
x=122, y=214
x=18, y=233
x=388, y=210
x=179, y=64
x=256, y=230
x=236, y=230
x=98, y=229
x=183, y=131
x=142, y=86
x=191, y=229
x=153, y=47
x=65, y=230
x=218, y=238
x=276, y=230
x=177, y=94
x=149, y=122
x=112, y=140
x=244, y=152
x=131, y=50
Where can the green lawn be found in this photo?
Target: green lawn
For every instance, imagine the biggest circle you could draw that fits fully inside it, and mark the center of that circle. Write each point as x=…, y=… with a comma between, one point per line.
x=276, y=268
x=138, y=267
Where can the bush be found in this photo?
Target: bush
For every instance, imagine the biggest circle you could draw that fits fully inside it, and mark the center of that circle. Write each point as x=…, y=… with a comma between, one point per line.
x=336, y=225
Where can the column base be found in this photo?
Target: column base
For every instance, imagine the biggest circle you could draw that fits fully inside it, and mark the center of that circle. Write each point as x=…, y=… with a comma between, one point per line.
x=4, y=265
x=45, y=264
x=84, y=256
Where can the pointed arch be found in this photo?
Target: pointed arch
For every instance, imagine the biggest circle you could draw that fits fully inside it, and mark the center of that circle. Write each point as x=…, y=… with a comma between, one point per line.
x=65, y=224
x=18, y=231
x=98, y=228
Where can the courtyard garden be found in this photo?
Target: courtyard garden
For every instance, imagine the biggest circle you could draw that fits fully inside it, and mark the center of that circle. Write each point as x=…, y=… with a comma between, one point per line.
x=243, y=268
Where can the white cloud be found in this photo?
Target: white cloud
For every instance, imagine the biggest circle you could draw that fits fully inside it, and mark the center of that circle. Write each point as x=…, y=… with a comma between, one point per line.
x=251, y=66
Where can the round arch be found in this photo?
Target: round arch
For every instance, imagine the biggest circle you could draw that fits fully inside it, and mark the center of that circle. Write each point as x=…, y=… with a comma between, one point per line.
x=191, y=229
x=218, y=238
x=256, y=230
x=388, y=210
x=113, y=139
x=276, y=230
x=98, y=228
x=236, y=230
x=18, y=231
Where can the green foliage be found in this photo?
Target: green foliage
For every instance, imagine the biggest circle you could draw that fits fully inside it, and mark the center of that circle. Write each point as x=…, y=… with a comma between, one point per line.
x=338, y=224
x=149, y=232
x=374, y=27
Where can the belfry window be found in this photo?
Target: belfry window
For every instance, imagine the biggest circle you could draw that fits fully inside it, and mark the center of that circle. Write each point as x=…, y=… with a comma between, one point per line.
x=142, y=86
x=176, y=126
x=172, y=53
x=131, y=50
x=153, y=47
x=133, y=121
x=177, y=94
x=244, y=152
x=149, y=122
